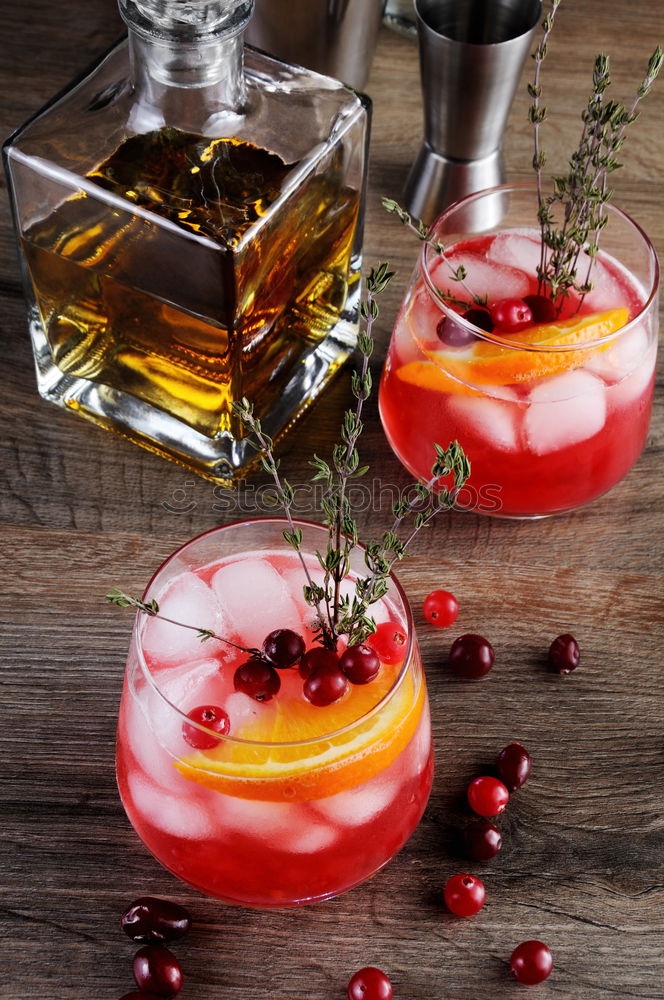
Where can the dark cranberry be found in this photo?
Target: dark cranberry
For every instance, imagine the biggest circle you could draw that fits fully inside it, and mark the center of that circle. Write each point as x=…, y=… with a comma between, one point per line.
x=480, y=318
x=283, y=647
x=157, y=970
x=487, y=796
x=471, y=656
x=317, y=656
x=511, y=315
x=531, y=963
x=483, y=840
x=136, y=995
x=360, y=663
x=325, y=685
x=257, y=679
x=543, y=309
x=441, y=608
x=454, y=334
x=464, y=895
x=150, y=920
x=210, y=716
x=514, y=764
x=564, y=654
x=370, y=983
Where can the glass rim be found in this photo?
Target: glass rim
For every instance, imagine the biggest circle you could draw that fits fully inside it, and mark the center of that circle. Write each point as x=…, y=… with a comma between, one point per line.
x=141, y=620
x=526, y=187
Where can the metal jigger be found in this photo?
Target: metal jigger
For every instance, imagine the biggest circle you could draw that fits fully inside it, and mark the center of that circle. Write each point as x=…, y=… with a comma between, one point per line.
x=471, y=56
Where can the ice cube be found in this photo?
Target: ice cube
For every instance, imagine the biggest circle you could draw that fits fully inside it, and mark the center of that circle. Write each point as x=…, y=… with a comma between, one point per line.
x=496, y=421
x=621, y=357
x=517, y=249
x=178, y=816
x=186, y=599
x=358, y=805
x=255, y=599
x=243, y=711
x=609, y=287
x=564, y=410
x=484, y=278
x=631, y=388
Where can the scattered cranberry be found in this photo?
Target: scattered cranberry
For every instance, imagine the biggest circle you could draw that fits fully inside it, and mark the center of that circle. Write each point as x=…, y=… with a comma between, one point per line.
x=514, y=765
x=369, y=984
x=511, y=315
x=360, y=663
x=257, y=679
x=564, y=654
x=471, y=656
x=283, y=648
x=325, y=685
x=464, y=895
x=543, y=309
x=531, y=962
x=210, y=716
x=487, y=796
x=317, y=656
x=150, y=920
x=136, y=995
x=441, y=608
x=389, y=641
x=483, y=840
x=157, y=970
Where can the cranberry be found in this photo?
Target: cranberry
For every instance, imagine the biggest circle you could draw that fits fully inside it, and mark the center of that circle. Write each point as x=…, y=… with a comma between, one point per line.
x=511, y=315
x=369, y=984
x=454, y=334
x=150, y=920
x=531, y=962
x=325, y=685
x=564, y=654
x=157, y=970
x=483, y=840
x=283, y=647
x=389, y=642
x=464, y=895
x=441, y=608
x=257, y=679
x=487, y=796
x=317, y=656
x=210, y=716
x=543, y=309
x=136, y=995
x=471, y=656
x=360, y=663
x=514, y=765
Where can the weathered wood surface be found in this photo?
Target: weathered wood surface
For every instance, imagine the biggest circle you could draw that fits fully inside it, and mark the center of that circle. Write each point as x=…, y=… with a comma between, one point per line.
x=583, y=865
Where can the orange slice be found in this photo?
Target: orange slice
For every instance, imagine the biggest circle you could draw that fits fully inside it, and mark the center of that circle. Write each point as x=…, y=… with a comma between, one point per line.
x=488, y=363
x=298, y=772
x=427, y=375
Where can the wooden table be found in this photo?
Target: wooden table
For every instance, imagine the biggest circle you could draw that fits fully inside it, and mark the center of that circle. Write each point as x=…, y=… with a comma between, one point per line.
x=583, y=864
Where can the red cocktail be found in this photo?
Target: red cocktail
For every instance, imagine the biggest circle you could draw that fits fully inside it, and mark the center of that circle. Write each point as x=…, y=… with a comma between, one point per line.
x=296, y=802
x=552, y=414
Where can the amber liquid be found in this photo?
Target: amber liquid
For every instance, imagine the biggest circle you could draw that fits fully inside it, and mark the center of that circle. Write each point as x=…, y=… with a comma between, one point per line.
x=191, y=297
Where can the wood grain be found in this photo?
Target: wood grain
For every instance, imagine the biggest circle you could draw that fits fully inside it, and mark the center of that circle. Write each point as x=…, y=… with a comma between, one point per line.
x=583, y=865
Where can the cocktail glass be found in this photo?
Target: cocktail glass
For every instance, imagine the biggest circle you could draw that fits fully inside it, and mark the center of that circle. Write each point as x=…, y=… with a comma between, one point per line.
x=297, y=803
x=550, y=417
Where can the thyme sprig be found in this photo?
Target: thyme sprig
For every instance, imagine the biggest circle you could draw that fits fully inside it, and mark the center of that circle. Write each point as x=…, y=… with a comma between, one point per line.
x=338, y=614
x=424, y=234
x=151, y=609
x=573, y=216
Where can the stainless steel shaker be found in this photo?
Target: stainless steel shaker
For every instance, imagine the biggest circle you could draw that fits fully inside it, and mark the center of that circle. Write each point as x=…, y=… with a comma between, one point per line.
x=334, y=37
x=471, y=57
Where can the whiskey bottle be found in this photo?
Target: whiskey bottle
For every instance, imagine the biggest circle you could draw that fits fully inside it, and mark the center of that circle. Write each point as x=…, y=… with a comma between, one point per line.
x=190, y=220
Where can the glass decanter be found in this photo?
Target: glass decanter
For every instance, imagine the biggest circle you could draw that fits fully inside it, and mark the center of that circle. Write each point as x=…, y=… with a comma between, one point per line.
x=190, y=220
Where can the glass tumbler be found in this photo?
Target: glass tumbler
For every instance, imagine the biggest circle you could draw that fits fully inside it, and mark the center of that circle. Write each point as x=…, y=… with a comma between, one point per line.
x=294, y=803
x=551, y=414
